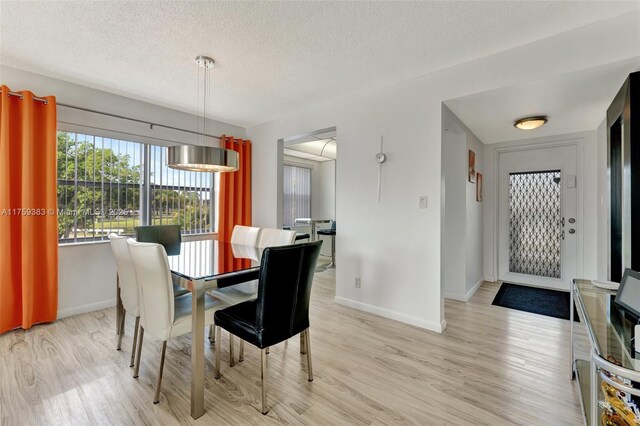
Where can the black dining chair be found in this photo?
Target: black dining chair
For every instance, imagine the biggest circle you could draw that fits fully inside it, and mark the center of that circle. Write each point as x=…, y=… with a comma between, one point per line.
x=282, y=308
x=332, y=233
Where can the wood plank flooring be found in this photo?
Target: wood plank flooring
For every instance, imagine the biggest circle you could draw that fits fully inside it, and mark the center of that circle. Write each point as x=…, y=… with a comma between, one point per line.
x=491, y=366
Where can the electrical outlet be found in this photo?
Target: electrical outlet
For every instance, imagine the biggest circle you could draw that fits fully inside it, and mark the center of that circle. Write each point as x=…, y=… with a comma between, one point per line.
x=422, y=201
x=357, y=282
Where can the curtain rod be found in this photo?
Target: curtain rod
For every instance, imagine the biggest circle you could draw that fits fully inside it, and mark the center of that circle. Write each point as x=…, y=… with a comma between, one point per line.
x=21, y=96
x=151, y=125
x=122, y=117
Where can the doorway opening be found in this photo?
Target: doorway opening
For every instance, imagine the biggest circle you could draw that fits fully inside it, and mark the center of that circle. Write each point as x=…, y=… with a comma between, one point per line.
x=538, y=224
x=308, y=191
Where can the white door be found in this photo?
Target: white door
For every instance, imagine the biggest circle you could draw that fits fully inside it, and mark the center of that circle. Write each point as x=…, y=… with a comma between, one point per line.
x=537, y=223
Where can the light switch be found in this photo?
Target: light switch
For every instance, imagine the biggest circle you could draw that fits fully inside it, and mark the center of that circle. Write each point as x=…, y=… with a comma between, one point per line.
x=571, y=181
x=423, y=201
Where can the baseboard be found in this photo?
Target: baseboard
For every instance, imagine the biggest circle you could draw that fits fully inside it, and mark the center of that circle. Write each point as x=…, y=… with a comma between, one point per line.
x=387, y=313
x=77, y=310
x=454, y=296
x=473, y=290
x=464, y=297
x=490, y=279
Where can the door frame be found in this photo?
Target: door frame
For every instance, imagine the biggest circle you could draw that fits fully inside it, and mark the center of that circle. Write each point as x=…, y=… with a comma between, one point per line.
x=577, y=142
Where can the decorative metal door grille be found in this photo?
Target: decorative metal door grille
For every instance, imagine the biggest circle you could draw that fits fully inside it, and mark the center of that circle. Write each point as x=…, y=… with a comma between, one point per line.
x=535, y=223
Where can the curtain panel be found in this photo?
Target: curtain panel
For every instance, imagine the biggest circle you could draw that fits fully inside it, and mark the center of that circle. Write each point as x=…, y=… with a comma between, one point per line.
x=235, y=196
x=28, y=211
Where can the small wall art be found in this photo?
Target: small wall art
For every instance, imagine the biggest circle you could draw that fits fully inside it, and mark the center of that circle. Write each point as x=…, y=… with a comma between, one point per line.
x=472, y=166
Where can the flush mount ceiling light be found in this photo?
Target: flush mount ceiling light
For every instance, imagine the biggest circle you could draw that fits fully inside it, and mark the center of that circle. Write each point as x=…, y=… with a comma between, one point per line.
x=530, y=123
x=203, y=158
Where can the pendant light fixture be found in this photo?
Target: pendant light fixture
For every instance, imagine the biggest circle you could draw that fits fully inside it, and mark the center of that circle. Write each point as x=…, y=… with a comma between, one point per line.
x=203, y=158
x=530, y=123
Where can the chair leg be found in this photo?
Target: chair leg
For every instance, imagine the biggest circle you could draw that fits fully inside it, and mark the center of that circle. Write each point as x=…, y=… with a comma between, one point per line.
x=138, y=361
x=121, y=329
x=232, y=356
x=303, y=344
x=212, y=337
x=333, y=252
x=135, y=340
x=308, y=343
x=119, y=307
x=218, y=338
x=241, y=355
x=263, y=379
x=164, y=351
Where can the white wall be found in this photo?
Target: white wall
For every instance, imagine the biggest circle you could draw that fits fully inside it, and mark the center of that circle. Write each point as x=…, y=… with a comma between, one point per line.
x=474, y=244
x=392, y=245
x=323, y=191
x=454, y=212
x=86, y=277
x=587, y=184
x=602, y=201
x=462, y=243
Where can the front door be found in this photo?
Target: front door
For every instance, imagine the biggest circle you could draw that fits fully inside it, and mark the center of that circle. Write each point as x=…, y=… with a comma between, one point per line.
x=537, y=223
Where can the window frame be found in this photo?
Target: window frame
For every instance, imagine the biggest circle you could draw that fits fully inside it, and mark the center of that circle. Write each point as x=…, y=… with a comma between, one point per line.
x=145, y=185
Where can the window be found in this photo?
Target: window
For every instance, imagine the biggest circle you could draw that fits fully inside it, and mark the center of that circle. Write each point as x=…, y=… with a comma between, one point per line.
x=179, y=197
x=101, y=189
x=297, y=194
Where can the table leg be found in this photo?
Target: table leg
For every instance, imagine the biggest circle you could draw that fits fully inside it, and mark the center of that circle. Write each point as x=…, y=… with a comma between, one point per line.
x=571, y=319
x=119, y=307
x=313, y=231
x=593, y=403
x=197, y=350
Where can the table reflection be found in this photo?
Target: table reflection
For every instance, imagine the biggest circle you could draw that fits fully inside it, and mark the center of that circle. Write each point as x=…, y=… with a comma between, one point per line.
x=207, y=259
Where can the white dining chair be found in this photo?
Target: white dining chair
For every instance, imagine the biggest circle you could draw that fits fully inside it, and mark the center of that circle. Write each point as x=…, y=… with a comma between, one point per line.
x=270, y=237
x=246, y=235
x=162, y=315
x=128, y=283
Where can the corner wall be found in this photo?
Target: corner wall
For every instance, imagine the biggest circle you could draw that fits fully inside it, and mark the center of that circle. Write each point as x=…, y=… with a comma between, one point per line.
x=462, y=243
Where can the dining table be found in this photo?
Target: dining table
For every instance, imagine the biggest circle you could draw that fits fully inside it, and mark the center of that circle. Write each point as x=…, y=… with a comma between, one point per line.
x=312, y=223
x=201, y=266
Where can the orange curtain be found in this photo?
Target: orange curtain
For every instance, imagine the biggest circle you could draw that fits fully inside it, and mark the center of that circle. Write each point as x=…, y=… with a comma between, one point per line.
x=28, y=211
x=235, y=196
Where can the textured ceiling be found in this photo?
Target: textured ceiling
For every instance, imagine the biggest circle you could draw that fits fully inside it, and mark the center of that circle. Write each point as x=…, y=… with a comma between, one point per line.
x=573, y=102
x=273, y=58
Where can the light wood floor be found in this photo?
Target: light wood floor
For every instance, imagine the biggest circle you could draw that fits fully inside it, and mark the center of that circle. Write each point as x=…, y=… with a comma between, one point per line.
x=491, y=366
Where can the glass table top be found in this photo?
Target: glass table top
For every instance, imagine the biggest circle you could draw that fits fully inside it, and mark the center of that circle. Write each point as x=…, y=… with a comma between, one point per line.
x=609, y=326
x=211, y=259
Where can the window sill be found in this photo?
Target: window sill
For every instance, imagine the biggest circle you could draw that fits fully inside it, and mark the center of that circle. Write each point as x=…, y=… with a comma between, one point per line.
x=187, y=237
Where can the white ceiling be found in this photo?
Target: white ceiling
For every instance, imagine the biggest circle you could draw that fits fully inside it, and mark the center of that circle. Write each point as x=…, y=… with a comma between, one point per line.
x=573, y=102
x=273, y=58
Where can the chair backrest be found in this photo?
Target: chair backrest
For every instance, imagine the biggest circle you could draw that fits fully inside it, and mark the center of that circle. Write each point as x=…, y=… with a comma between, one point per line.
x=129, y=292
x=156, y=305
x=284, y=288
x=247, y=235
x=167, y=235
x=275, y=237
